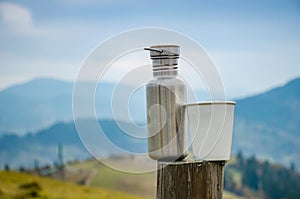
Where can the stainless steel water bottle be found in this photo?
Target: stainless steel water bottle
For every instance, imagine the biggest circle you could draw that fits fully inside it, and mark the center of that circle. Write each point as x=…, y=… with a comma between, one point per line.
x=166, y=92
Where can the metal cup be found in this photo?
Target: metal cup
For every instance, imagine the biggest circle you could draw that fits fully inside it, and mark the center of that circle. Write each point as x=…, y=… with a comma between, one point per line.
x=210, y=127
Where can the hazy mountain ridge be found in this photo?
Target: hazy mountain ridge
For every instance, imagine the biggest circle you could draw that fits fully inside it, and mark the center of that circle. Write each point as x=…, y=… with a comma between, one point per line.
x=34, y=105
x=39, y=103
x=283, y=102
x=42, y=146
x=267, y=124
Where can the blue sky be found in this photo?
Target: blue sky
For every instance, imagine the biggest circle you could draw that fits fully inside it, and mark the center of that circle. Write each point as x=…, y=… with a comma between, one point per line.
x=255, y=44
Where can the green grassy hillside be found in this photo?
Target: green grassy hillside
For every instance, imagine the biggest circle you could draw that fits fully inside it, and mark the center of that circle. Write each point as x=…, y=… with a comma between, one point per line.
x=100, y=181
x=137, y=184
x=105, y=177
x=21, y=185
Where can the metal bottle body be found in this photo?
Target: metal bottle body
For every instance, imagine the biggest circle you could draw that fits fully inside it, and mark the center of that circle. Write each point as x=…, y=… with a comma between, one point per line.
x=166, y=126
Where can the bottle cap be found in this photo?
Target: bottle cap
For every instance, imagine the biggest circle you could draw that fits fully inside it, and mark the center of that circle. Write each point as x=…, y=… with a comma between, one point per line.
x=164, y=56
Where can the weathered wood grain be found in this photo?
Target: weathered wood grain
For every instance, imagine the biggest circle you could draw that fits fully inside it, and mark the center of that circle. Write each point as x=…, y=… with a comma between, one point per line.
x=190, y=180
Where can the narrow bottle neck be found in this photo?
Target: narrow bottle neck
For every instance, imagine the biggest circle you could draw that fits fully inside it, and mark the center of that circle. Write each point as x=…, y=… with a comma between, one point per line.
x=165, y=66
x=165, y=73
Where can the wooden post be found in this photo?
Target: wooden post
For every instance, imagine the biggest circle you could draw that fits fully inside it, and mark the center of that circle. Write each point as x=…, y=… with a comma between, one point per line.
x=190, y=180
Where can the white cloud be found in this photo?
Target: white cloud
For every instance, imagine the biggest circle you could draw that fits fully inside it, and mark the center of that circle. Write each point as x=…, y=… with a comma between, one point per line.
x=15, y=16
x=17, y=19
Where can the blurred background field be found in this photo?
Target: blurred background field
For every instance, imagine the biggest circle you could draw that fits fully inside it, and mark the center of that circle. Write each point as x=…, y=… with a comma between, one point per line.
x=99, y=182
x=244, y=178
x=21, y=185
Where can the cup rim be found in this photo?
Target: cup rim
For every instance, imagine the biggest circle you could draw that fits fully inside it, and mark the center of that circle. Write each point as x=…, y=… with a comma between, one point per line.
x=210, y=103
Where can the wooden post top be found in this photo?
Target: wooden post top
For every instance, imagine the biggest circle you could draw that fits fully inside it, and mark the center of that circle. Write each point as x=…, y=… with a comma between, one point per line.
x=190, y=180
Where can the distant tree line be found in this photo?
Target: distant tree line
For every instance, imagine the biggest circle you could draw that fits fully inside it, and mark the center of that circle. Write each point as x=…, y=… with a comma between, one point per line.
x=249, y=176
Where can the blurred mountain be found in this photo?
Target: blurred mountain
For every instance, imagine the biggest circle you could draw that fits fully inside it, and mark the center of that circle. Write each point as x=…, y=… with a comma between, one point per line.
x=42, y=146
x=268, y=124
x=35, y=104
x=40, y=103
